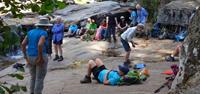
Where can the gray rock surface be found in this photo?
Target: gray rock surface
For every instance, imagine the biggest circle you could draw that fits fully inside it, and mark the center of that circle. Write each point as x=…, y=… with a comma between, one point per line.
x=80, y=12
x=177, y=12
x=188, y=78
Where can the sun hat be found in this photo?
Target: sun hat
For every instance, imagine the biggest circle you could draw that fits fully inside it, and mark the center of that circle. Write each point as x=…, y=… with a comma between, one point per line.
x=124, y=69
x=43, y=22
x=141, y=25
x=122, y=17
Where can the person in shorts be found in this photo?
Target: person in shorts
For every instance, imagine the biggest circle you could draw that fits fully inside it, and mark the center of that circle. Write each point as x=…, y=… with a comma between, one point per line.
x=127, y=37
x=102, y=74
x=58, y=34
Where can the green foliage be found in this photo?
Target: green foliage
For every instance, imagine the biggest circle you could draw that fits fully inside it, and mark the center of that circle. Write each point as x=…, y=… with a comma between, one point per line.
x=23, y=88
x=10, y=39
x=152, y=8
x=50, y=5
x=12, y=88
x=16, y=75
x=2, y=90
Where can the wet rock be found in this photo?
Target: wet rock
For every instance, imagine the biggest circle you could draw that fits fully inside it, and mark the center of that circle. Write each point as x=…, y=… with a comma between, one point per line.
x=188, y=78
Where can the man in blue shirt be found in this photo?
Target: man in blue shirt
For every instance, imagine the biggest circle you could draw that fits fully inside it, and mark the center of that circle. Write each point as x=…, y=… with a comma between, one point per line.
x=102, y=74
x=36, y=55
x=58, y=34
x=142, y=14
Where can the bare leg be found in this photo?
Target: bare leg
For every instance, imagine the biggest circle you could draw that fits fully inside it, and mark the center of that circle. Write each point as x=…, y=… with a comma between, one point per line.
x=99, y=62
x=177, y=50
x=56, y=49
x=127, y=55
x=91, y=65
x=60, y=50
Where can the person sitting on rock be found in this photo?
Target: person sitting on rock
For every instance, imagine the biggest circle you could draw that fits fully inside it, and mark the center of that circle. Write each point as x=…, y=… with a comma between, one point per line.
x=82, y=29
x=174, y=54
x=100, y=34
x=102, y=74
x=73, y=29
x=127, y=37
x=122, y=25
x=91, y=27
x=133, y=16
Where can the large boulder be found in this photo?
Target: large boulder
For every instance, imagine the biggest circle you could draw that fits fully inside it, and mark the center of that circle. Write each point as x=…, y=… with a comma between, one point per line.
x=177, y=12
x=188, y=78
x=81, y=12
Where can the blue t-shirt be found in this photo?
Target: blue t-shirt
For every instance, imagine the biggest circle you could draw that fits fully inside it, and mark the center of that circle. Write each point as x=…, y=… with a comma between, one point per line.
x=133, y=14
x=58, y=31
x=113, y=77
x=34, y=36
x=133, y=17
x=73, y=28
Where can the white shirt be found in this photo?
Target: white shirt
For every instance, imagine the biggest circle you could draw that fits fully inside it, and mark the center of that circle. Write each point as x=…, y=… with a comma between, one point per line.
x=129, y=34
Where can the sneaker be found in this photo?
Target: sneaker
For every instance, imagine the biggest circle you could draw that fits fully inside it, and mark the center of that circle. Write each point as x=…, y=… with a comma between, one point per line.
x=60, y=58
x=170, y=58
x=127, y=63
x=86, y=79
x=56, y=58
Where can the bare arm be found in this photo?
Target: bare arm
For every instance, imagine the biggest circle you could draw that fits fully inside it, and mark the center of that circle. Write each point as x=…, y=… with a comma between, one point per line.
x=133, y=43
x=106, y=81
x=23, y=46
x=116, y=20
x=40, y=46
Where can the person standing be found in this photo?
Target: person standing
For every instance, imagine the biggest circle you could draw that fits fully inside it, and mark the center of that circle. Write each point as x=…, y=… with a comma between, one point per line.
x=36, y=55
x=58, y=34
x=111, y=21
x=127, y=37
x=142, y=14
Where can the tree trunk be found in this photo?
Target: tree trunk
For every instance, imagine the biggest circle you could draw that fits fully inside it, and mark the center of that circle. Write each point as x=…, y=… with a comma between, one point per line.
x=188, y=78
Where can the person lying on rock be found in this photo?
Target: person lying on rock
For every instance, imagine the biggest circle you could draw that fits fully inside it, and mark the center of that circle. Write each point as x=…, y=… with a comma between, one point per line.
x=127, y=37
x=102, y=74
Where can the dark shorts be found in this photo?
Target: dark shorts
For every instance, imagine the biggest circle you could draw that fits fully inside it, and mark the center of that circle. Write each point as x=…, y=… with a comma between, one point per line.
x=58, y=42
x=125, y=45
x=96, y=70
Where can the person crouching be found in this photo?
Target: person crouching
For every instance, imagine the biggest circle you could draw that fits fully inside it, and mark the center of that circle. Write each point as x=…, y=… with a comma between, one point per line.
x=127, y=37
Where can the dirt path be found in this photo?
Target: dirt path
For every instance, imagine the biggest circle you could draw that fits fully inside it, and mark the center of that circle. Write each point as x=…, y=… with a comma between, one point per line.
x=63, y=77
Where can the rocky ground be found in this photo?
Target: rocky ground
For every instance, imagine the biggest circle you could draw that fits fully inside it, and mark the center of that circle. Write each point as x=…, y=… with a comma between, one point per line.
x=63, y=77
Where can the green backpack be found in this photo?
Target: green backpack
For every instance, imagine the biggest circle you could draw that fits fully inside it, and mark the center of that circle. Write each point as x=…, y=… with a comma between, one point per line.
x=132, y=77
